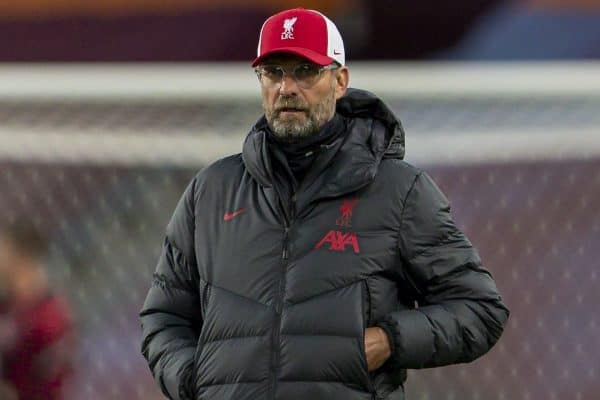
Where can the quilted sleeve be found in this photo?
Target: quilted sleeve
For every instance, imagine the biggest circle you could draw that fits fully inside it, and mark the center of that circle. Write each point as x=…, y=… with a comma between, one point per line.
x=169, y=317
x=460, y=314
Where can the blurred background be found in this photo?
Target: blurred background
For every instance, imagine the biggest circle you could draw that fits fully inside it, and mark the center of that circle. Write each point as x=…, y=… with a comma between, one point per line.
x=108, y=109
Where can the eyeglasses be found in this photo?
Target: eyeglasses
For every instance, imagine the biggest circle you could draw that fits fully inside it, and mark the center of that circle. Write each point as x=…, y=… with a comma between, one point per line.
x=305, y=75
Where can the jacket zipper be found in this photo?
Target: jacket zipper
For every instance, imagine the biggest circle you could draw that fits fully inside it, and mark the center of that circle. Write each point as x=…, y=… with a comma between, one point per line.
x=279, y=298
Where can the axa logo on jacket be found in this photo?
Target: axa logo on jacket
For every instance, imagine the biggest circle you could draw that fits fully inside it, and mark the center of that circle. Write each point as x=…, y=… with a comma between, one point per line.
x=339, y=240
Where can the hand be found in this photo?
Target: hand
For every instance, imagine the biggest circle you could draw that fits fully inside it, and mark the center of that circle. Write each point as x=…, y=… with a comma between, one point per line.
x=377, y=347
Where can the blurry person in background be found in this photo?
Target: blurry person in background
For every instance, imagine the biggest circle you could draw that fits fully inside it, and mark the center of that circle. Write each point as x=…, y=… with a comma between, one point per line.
x=293, y=270
x=35, y=323
x=7, y=339
x=7, y=391
x=533, y=30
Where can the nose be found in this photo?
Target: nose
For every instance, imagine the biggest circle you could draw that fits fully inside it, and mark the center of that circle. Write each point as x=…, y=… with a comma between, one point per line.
x=288, y=85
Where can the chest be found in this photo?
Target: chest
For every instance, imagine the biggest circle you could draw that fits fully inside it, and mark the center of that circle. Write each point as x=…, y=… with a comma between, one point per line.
x=248, y=246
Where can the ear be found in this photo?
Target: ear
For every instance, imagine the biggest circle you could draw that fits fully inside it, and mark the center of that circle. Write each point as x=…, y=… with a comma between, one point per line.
x=342, y=80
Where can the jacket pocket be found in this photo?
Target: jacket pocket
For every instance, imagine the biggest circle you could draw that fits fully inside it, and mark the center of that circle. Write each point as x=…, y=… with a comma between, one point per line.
x=204, y=291
x=204, y=296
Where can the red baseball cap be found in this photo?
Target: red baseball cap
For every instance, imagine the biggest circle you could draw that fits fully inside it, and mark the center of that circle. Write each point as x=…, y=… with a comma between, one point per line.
x=306, y=33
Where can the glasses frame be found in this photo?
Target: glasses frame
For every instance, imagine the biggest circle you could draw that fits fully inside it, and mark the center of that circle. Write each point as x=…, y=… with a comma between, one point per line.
x=303, y=84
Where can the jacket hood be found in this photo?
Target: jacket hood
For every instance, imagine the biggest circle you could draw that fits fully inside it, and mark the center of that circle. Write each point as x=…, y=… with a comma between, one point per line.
x=372, y=133
x=358, y=103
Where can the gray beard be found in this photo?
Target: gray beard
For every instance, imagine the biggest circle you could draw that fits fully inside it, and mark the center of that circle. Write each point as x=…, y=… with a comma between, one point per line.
x=291, y=130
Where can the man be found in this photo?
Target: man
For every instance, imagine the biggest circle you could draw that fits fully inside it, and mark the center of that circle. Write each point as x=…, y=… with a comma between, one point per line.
x=316, y=264
x=35, y=323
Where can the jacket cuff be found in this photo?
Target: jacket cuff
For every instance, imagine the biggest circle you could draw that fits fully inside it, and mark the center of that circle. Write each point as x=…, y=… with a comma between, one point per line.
x=389, y=331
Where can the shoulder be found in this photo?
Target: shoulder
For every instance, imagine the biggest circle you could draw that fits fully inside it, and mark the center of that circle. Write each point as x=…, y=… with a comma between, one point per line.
x=222, y=167
x=221, y=171
x=399, y=174
x=400, y=167
x=406, y=182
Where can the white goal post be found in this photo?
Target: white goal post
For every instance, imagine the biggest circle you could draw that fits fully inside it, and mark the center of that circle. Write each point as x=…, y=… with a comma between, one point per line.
x=235, y=82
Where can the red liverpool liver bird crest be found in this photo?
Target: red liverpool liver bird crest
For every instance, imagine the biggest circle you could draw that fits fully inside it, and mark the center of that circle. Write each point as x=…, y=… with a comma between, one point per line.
x=345, y=219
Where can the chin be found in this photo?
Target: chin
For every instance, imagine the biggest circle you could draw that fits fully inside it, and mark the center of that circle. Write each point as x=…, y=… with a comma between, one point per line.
x=292, y=133
x=290, y=125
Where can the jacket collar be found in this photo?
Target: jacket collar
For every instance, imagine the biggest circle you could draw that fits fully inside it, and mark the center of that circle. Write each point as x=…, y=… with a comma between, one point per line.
x=373, y=132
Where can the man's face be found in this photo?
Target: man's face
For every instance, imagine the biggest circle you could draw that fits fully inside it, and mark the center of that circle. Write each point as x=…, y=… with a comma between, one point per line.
x=295, y=112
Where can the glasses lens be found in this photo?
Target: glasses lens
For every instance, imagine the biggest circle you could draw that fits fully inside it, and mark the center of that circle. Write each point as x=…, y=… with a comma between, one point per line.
x=306, y=73
x=270, y=74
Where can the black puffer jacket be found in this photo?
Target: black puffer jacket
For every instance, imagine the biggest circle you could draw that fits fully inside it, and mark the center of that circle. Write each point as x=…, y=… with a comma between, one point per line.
x=262, y=293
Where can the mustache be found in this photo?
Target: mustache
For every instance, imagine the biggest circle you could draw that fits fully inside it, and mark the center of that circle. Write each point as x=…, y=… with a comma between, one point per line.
x=290, y=104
